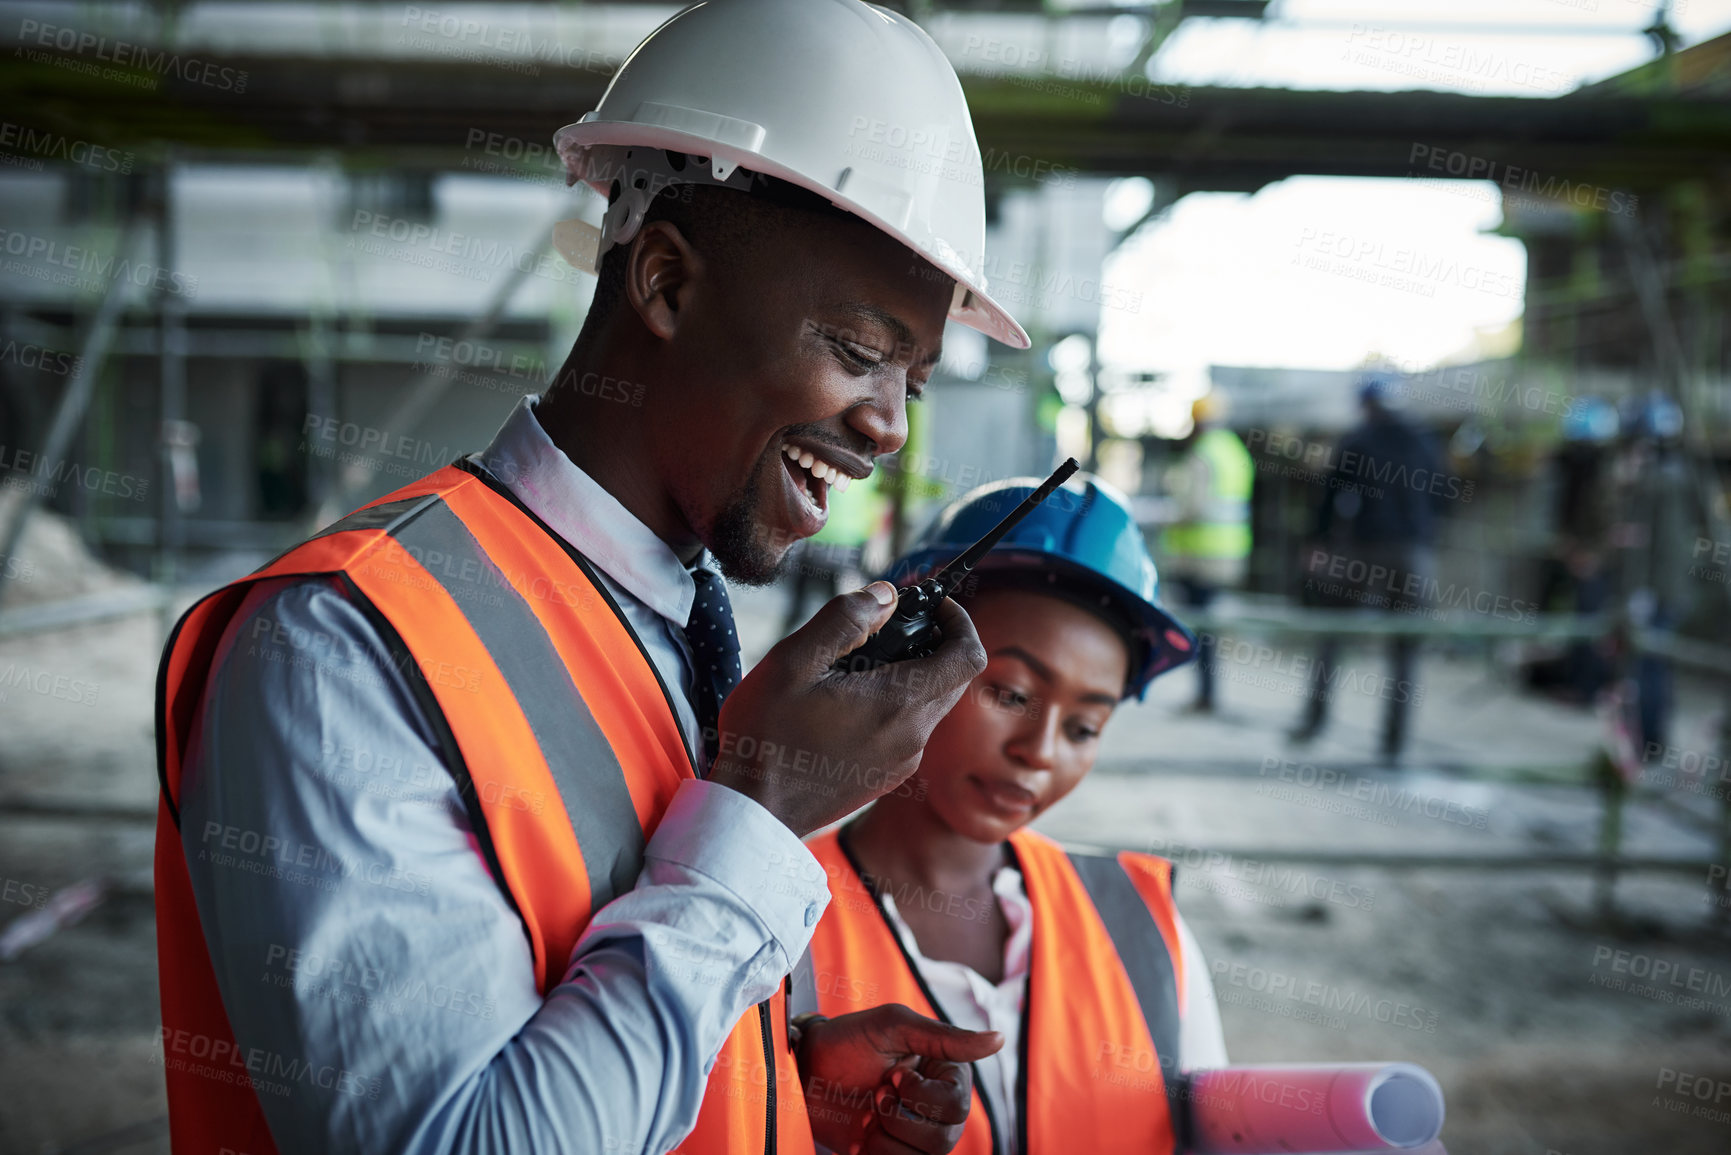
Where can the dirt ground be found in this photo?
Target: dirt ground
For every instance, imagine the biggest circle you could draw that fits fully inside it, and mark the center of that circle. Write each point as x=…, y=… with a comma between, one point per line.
x=1545, y=1025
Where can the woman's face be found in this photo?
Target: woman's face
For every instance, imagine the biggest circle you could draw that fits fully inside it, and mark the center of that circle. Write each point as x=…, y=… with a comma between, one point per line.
x=1028, y=729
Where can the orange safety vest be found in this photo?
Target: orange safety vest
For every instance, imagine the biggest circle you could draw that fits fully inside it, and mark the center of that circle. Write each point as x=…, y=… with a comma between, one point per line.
x=564, y=744
x=1099, y=1034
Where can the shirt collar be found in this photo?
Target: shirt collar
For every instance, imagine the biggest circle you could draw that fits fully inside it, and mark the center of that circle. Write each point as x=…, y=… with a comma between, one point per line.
x=592, y=520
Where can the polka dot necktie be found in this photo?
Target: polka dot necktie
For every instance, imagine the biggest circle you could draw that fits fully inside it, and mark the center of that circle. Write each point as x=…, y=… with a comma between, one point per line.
x=714, y=653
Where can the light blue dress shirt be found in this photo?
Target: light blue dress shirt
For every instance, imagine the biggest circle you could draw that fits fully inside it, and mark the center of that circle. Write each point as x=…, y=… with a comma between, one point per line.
x=377, y=979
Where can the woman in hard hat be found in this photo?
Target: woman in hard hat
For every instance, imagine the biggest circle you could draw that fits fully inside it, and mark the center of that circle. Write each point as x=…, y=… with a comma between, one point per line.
x=943, y=900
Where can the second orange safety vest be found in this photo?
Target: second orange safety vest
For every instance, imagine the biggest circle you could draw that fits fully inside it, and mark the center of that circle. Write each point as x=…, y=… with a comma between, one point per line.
x=566, y=750
x=1097, y=1070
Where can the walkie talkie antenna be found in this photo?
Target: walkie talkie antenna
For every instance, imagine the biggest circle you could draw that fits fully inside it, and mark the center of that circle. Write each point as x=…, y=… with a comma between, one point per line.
x=960, y=568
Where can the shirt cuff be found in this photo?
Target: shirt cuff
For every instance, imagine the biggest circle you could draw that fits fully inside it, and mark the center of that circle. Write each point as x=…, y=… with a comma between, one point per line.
x=725, y=835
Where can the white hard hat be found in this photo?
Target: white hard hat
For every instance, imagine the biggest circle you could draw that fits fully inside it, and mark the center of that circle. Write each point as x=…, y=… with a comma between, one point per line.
x=848, y=100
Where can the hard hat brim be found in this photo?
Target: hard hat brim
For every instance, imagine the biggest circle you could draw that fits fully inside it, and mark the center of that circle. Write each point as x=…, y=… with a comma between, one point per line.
x=971, y=306
x=1169, y=643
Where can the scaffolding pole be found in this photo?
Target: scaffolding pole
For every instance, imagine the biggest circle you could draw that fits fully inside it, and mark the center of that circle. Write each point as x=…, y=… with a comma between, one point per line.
x=69, y=416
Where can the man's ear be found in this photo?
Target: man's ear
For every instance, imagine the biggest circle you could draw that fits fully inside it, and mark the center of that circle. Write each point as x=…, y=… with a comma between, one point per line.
x=659, y=276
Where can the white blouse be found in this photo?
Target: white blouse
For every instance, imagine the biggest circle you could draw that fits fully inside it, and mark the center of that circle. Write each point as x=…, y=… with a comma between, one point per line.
x=968, y=1000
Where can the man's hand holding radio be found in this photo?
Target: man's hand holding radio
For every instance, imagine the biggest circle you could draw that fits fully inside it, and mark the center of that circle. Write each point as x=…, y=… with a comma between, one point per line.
x=812, y=746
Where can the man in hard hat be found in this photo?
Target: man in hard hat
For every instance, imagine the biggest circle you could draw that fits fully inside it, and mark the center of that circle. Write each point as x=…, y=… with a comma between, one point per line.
x=458, y=847
x=1207, y=545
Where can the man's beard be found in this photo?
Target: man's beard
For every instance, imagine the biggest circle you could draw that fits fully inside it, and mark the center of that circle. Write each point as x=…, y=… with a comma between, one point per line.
x=734, y=540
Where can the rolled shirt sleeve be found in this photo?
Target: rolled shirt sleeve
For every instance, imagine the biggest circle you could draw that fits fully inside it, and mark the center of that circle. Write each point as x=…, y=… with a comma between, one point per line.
x=374, y=972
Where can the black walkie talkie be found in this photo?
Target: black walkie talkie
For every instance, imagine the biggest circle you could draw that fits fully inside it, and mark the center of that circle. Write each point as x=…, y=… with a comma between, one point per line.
x=912, y=631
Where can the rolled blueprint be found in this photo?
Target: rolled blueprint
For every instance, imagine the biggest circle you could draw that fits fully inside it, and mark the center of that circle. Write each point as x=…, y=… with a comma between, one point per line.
x=1313, y=1107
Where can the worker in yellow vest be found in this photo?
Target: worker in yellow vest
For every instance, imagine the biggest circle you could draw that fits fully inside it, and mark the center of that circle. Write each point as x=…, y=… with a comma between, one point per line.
x=1206, y=548
x=471, y=836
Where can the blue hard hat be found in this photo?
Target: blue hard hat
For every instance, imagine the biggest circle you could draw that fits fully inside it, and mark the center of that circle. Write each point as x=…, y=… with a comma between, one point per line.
x=1082, y=544
x=1660, y=417
x=1591, y=419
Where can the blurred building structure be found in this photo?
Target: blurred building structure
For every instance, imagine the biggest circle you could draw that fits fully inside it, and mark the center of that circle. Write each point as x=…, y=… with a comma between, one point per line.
x=323, y=227
x=262, y=262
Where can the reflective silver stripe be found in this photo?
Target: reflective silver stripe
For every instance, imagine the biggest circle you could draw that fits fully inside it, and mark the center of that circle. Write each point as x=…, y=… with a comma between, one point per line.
x=585, y=770
x=1141, y=948
x=802, y=987
x=382, y=516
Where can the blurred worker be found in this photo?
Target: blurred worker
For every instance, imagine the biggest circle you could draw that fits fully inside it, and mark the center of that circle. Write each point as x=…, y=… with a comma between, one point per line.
x=1657, y=530
x=835, y=555
x=1374, y=546
x=944, y=901
x=459, y=849
x=1576, y=577
x=1207, y=546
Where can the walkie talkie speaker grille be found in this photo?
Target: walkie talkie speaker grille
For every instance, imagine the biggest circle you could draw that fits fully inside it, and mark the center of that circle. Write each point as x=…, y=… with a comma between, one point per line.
x=1082, y=544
